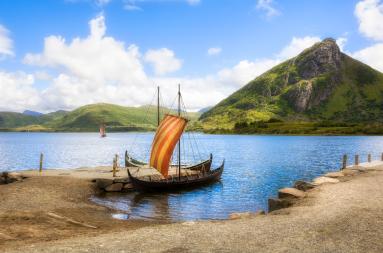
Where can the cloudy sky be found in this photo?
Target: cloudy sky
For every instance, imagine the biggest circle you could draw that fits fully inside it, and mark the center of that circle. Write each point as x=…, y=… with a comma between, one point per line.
x=67, y=53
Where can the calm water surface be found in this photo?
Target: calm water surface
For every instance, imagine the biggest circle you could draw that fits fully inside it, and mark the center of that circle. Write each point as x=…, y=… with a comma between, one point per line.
x=256, y=167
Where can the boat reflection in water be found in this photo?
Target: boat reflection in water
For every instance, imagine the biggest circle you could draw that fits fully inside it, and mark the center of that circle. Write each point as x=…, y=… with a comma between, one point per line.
x=164, y=206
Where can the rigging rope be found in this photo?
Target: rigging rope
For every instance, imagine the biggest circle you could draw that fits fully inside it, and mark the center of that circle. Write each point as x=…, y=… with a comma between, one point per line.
x=130, y=149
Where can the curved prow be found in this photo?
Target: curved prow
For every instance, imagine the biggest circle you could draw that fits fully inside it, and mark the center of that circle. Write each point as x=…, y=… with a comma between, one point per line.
x=131, y=162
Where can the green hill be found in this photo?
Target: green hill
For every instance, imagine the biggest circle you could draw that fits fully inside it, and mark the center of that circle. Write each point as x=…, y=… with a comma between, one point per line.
x=320, y=85
x=88, y=118
x=14, y=119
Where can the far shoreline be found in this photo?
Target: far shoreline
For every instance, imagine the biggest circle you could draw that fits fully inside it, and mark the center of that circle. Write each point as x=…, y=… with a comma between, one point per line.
x=206, y=132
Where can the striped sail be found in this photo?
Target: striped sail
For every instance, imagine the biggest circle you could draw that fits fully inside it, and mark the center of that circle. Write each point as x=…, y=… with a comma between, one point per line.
x=168, y=134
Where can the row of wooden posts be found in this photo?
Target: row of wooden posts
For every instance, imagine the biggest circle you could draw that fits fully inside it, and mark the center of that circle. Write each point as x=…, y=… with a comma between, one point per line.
x=115, y=164
x=356, y=160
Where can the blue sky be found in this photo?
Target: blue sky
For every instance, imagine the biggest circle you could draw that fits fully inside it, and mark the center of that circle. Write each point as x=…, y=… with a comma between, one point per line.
x=171, y=41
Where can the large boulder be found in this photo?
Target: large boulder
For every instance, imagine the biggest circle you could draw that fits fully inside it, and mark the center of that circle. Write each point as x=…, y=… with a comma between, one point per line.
x=102, y=183
x=122, y=180
x=117, y=187
x=2, y=180
x=128, y=187
x=276, y=204
x=7, y=178
x=291, y=193
x=15, y=176
x=303, y=186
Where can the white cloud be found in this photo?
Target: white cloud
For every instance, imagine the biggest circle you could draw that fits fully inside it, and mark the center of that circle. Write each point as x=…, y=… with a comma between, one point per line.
x=98, y=68
x=370, y=17
x=92, y=68
x=17, y=92
x=193, y=2
x=131, y=7
x=6, y=44
x=214, y=51
x=102, y=2
x=134, y=5
x=297, y=45
x=372, y=56
x=42, y=75
x=163, y=60
x=267, y=6
x=341, y=42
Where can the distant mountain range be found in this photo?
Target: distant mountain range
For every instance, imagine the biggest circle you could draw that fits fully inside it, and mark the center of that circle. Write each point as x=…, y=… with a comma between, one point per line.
x=321, y=84
x=32, y=113
x=85, y=118
x=320, y=91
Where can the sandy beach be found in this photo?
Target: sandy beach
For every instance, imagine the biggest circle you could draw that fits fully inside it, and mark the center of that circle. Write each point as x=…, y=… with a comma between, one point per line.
x=341, y=217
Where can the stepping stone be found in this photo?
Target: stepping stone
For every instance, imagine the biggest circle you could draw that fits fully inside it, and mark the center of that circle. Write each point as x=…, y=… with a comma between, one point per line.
x=303, y=186
x=324, y=180
x=291, y=193
x=114, y=187
x=236, y=216
x=276, y=204
x=350, y=172
x=102, y=183
x=335, y=174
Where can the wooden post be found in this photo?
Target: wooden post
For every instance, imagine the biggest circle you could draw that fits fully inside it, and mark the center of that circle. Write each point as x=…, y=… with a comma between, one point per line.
x=344, y=165
x=381, y=158
x=369, y=158
x=114, y=166
x=126, y=155
x=356, y=160
x=41, y=162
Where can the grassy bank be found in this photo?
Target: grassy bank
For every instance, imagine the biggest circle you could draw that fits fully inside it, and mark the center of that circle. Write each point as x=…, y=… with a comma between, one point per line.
x=302, y=128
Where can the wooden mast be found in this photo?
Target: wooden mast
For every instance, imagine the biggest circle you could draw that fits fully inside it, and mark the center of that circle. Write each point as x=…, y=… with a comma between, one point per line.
x=179, y=142
x=158, y=106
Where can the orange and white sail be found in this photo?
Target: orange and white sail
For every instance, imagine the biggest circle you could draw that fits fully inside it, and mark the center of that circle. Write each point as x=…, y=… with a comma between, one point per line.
x=168, y=134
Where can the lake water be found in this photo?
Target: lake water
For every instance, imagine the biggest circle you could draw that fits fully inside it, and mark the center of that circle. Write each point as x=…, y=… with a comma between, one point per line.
x=256, y=167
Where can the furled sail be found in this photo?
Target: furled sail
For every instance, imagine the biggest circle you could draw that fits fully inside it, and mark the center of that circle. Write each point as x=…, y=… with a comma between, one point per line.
x=168, y=134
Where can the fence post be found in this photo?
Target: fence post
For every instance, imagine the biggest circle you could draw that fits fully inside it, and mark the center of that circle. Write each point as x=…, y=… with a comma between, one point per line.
x=126, y=155
x=369, y=158
x=381, y=158
x=356, y=160
x=41, y=162
x=114, y=166
x=344, y=162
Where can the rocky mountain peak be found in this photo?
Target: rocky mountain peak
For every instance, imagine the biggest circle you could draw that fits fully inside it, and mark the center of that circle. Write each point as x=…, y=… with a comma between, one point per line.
x=319, y=83
x=323, y=57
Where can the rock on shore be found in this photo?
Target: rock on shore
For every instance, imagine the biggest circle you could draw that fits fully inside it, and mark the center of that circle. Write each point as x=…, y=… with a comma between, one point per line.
x=10, y=177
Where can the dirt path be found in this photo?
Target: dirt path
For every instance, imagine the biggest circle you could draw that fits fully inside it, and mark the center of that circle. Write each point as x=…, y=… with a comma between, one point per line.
x=52, y=208
x=342, y=217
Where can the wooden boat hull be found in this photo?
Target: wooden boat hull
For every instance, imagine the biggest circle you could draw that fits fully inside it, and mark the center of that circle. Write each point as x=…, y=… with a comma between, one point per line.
x=202, y=166
x=176, y=183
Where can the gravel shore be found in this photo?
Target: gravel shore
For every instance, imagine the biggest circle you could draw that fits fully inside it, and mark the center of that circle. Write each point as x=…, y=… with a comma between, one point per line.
x=341, y=217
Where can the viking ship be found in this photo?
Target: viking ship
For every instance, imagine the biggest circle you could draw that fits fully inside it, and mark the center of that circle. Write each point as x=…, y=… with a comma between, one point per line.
x=102, y=130
x=167, y=138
